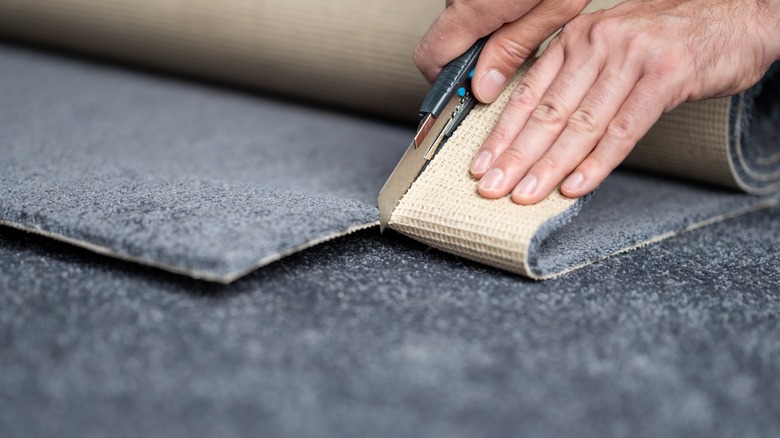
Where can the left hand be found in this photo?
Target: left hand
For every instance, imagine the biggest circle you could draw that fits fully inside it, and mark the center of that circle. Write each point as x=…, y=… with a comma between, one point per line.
x=607, y=78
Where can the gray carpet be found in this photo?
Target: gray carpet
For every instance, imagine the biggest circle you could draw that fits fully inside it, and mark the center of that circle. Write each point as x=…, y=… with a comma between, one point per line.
x=365, y=336
x=377, y=336
x=188, y=176
x=214, y=183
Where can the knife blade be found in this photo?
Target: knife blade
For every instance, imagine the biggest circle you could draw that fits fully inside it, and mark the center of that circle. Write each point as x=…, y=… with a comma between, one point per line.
x=444, y=107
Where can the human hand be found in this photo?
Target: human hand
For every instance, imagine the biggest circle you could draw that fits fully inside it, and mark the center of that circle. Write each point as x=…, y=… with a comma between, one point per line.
x=606, y=79
x=518, y=27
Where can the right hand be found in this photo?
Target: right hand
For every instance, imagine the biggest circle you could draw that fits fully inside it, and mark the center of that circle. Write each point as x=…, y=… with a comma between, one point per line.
x=518, y=27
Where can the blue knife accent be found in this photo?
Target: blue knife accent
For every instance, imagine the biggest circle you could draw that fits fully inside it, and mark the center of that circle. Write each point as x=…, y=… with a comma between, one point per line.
x=452, y=77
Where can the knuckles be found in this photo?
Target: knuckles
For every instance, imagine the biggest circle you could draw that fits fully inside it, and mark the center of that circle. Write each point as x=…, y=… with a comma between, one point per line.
x=583, y=122
x=549, y=165
x=511, y=52
x=596, y=167
x=603, y=30
x=513, y=158
x=522, y=97
x=621, y=134
x=547, y=115
x=498, y=138
x=609, y=34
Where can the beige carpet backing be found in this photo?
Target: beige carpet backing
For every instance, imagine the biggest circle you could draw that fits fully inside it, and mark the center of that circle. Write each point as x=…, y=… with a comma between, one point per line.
x=357, y=55
x=346, y=52
x=444, y=210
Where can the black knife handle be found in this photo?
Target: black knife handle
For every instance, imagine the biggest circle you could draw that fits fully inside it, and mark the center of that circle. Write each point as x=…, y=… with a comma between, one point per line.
x=452, y=77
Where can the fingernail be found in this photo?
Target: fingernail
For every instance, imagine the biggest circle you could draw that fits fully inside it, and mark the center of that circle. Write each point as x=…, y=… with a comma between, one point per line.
x=573, y=182
x=481, y=162
x=491, y=85
x=526, y=186
x=492, y=179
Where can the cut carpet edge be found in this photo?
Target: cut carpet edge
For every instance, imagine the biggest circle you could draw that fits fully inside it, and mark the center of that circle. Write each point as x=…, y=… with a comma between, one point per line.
x=194, y=274
x=227, y=279
x=761, y=204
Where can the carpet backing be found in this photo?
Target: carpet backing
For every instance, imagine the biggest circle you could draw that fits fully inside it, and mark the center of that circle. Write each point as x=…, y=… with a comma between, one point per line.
x=730, y=143
x=349, y=53
x=213, y=183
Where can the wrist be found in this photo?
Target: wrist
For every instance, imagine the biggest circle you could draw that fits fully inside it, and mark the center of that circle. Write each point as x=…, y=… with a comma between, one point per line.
x=769, y=16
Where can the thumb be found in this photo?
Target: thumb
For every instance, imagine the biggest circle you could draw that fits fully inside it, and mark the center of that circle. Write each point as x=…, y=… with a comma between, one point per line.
x=510, y=46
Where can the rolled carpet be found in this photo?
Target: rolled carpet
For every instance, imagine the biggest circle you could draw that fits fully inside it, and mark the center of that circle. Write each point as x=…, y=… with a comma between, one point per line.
x=348, y=53
x=730, y=142
x=355, y=55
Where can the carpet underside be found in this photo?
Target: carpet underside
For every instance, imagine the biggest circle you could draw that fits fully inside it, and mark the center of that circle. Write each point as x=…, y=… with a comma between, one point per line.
x=729, y=143
x=213, y=184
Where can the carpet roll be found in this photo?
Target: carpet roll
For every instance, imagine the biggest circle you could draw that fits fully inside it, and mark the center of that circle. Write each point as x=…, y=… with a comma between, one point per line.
x=349, y=53
x=730, y=142
x=357, y=55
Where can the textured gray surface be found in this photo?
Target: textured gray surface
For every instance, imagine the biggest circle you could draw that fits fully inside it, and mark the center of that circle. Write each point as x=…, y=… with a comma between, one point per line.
x=211, y=230
x=179, y=174
x=375, y=336
x=212, y=181
x=759, y=122
x=365, y=336
x=632, y=208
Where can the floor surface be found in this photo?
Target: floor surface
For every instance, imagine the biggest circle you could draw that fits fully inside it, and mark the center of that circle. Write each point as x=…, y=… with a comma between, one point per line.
x=379, y=336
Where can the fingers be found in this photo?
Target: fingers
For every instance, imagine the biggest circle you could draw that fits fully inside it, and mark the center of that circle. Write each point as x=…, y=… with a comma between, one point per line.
x=545, y=122
x=455, y=30
x=579, y=111
x=637, y=115
x=519, y=108
x=519, y=26
x=510, y=46
x=584, y=130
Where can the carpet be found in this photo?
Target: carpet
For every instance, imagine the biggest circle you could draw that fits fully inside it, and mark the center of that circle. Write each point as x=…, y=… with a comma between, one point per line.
x=213, y=183
x=728, y=144
x=154, y=215
x=373, y=335
x=192, y=178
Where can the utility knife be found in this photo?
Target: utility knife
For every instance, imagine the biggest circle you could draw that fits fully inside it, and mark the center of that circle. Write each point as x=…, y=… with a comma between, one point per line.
x=443, y=109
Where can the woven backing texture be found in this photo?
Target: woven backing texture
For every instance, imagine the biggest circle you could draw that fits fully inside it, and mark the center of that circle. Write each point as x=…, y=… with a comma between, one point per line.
x=357, y=55
x=341, y=52
x=346, y=52
x=443, y=209
x=700, y=141
x=691, y=142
